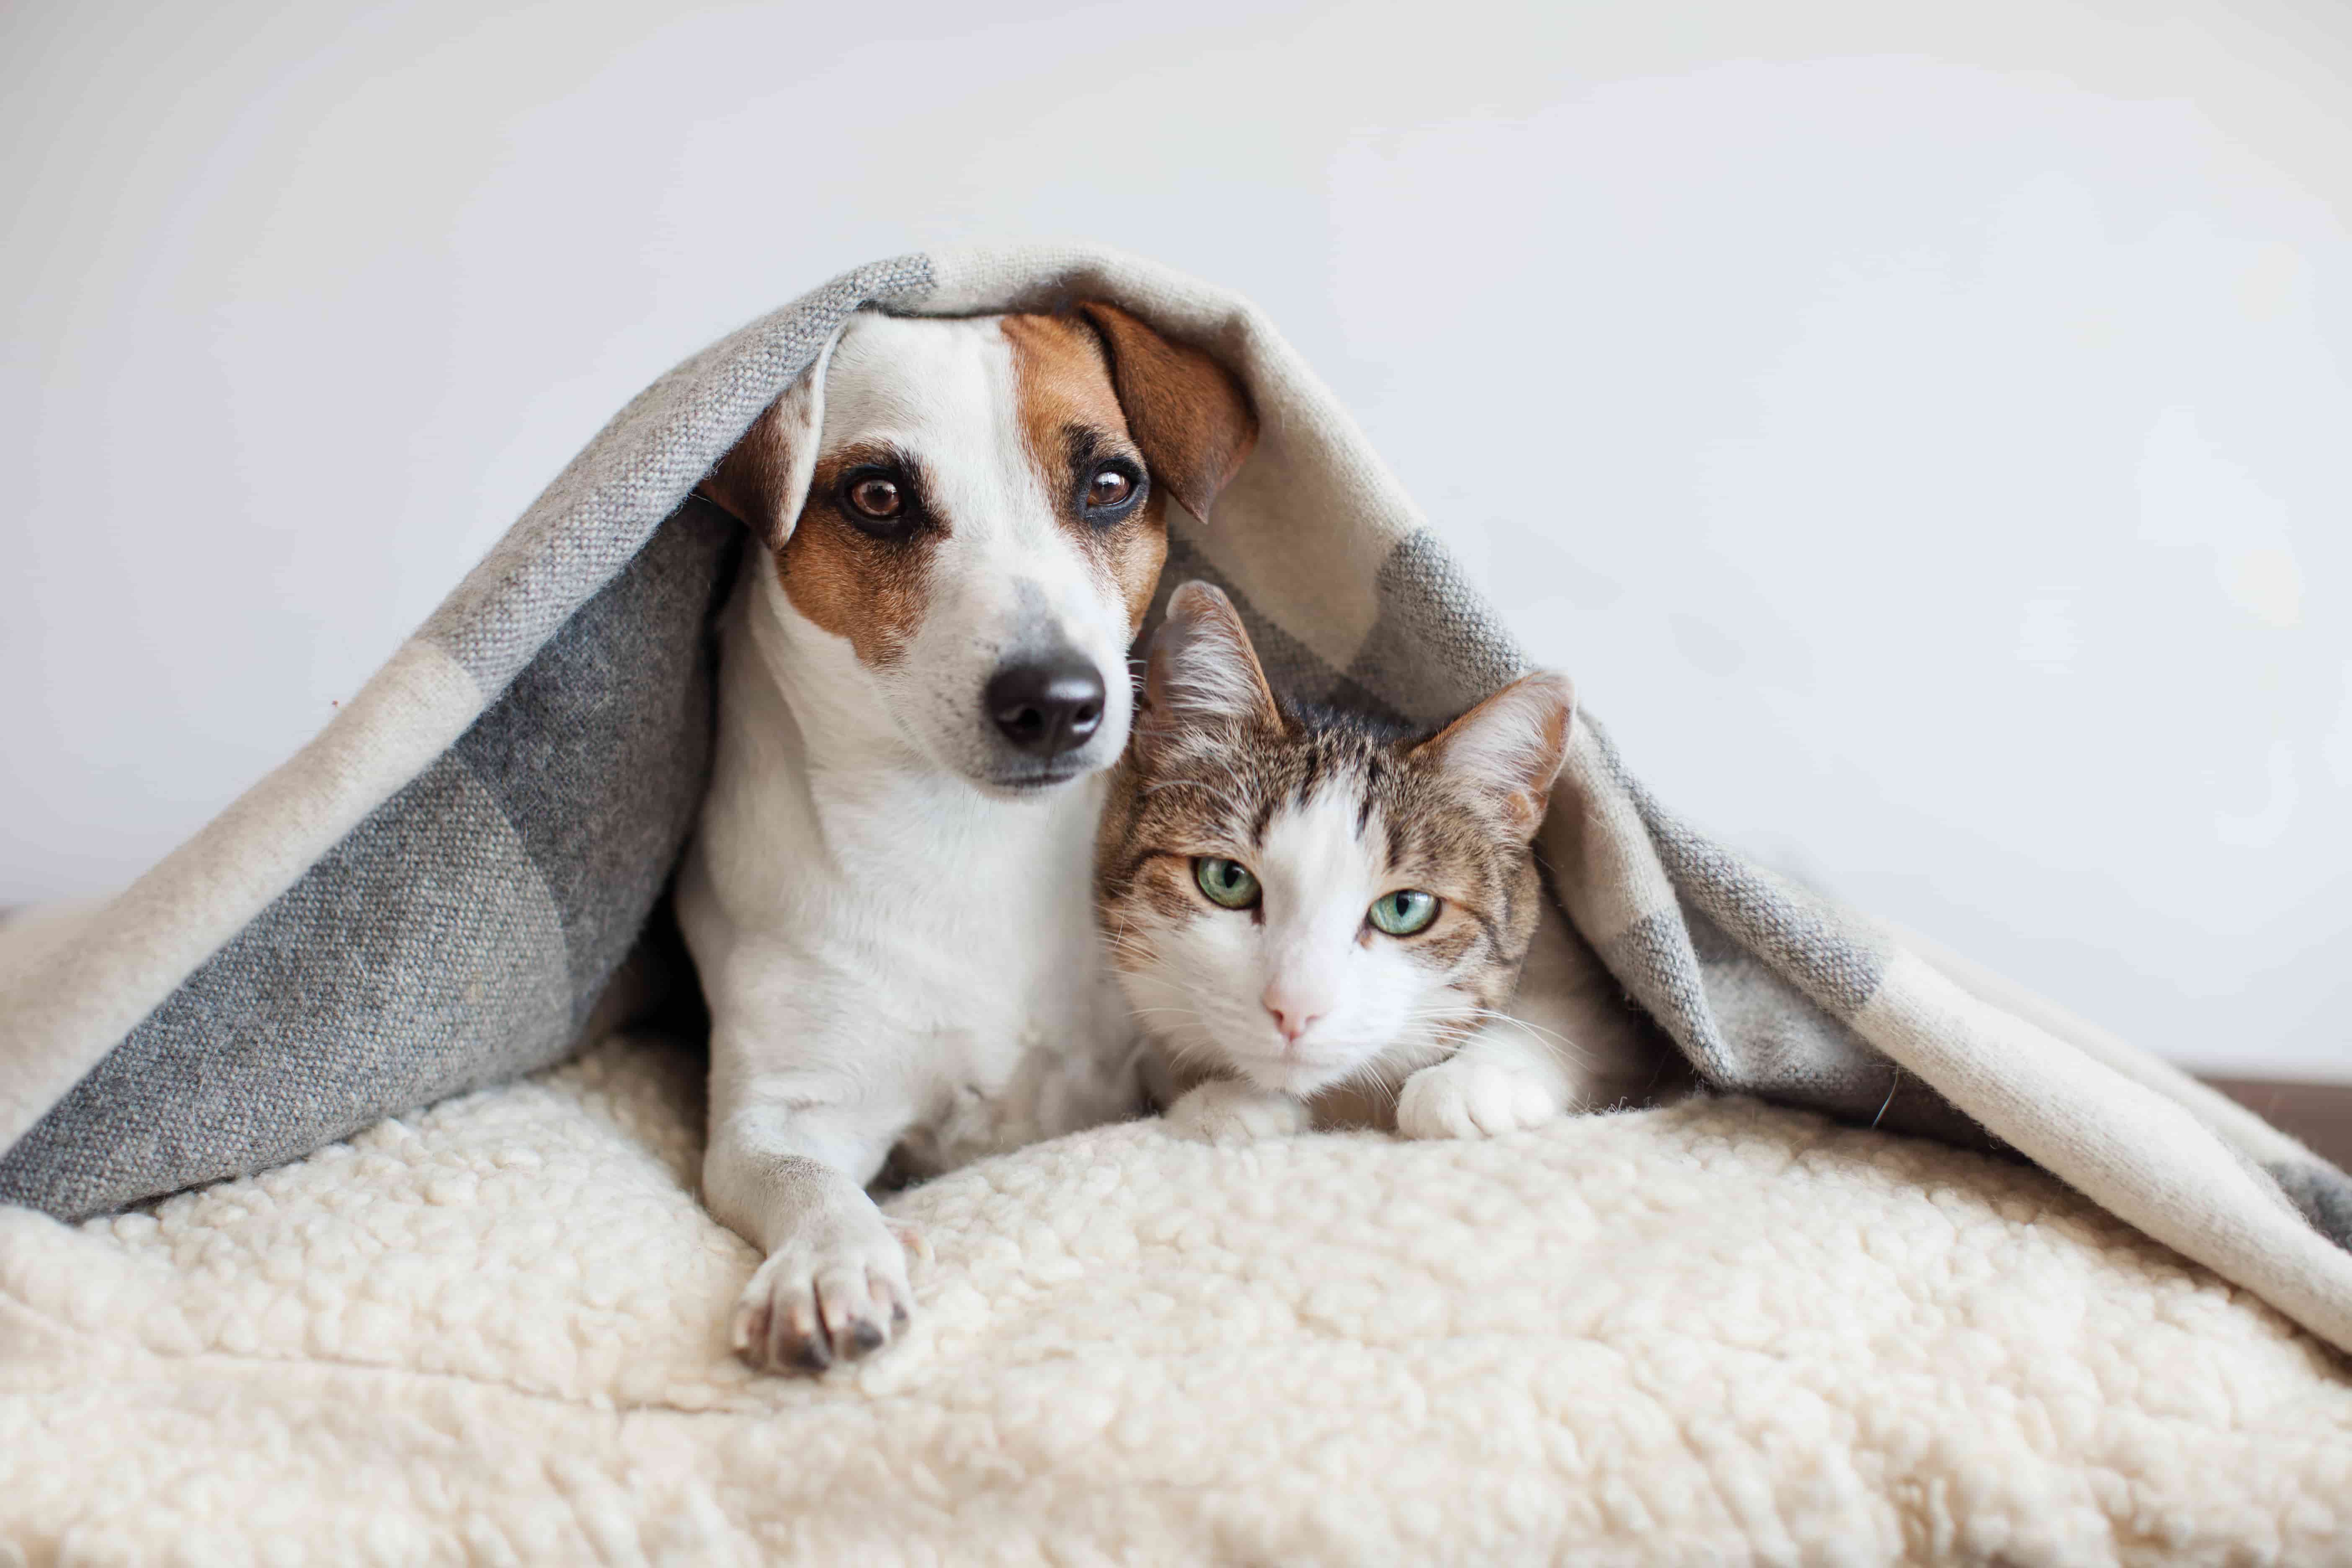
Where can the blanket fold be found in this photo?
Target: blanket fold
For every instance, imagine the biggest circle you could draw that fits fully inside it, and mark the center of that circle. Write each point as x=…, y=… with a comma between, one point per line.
x=432, y=895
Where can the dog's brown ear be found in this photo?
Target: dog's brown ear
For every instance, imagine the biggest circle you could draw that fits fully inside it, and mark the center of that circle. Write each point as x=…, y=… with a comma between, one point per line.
x=764, y=477
x=1190, y=415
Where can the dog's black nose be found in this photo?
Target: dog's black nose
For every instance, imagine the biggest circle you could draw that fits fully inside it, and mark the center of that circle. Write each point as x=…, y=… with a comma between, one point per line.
x=1048, y=705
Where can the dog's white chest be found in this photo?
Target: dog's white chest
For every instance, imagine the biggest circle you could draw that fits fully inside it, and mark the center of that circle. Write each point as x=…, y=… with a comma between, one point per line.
x=901, y=945
x=1012, y=1029
x=1010, y=1081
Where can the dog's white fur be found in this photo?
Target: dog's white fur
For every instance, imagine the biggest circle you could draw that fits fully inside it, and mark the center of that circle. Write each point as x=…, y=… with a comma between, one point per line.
x=899, y=951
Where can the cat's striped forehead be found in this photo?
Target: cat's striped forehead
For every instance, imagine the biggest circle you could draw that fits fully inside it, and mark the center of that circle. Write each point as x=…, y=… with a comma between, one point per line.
x=1223, y=783
x=1220, y=788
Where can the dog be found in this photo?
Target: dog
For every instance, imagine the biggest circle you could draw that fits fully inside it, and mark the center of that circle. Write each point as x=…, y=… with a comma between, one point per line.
x=958, y=525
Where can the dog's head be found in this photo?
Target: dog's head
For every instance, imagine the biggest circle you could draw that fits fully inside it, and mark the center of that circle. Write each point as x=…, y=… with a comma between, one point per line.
x=973, y=516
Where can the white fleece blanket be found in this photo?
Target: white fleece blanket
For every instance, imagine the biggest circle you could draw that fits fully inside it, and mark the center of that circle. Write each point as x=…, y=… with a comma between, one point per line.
x=1715, y=1333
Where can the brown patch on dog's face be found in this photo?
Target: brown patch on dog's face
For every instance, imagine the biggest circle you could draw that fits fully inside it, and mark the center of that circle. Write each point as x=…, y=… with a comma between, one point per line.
x=1189, y=413
x=1076, y=438
x=854, y=574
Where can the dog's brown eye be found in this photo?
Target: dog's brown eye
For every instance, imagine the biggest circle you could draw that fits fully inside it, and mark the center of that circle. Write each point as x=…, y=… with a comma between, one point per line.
x=877, y=498
x=1110, y=488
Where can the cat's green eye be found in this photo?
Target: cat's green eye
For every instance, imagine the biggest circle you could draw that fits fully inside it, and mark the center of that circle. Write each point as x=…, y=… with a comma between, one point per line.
x=1227, y=883
x=1405, y=912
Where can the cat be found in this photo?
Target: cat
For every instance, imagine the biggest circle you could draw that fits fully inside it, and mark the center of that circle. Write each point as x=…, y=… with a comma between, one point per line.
x=1319, y=918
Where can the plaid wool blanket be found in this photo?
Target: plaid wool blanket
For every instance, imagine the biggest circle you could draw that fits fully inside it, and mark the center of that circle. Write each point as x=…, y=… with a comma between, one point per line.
x=440, y=891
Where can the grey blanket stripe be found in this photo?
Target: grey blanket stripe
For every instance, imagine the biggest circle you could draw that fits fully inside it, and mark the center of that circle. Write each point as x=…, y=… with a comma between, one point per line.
x=1788, y=927
x=2320, y=1192
x=1654, y=961
x=1436, y=646
x=457, y=936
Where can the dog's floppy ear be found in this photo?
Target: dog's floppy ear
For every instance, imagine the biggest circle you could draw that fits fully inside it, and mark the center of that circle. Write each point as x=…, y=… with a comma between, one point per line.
x=1202, y=670
x=1187, y=412
x=1512, y=745
x=764, y=478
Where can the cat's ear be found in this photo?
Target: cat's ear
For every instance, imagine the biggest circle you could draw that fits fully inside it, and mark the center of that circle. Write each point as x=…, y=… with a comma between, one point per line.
x=1202, y=669
x=1512, y=745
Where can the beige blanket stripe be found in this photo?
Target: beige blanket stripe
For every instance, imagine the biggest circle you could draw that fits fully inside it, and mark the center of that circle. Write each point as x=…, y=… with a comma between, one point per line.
x=2216, y=1110
x=2135, y=1151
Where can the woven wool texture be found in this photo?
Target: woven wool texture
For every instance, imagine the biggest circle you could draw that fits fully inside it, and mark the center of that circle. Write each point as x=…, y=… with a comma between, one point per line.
x=434, y=894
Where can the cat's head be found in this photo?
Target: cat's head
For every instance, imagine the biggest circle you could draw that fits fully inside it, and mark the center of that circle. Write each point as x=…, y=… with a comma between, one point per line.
x=1304, y=897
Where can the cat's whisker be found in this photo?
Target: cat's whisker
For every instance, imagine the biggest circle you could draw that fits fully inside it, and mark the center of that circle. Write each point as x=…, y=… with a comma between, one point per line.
x=1182, y=1052
x=1137, y=954
x=1446, y=1018
x=1552, y=1036
x=1469, y=1017
x=1460, y=1014
x=1372, y=1077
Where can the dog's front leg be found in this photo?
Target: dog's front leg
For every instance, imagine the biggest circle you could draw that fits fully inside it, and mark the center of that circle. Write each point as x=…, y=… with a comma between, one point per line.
x=834, y=1287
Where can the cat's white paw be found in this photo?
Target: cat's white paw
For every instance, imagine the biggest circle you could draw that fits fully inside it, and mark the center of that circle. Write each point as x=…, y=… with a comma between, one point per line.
x=1464, y=1098
x=839, y=1294
x=1222, y=1111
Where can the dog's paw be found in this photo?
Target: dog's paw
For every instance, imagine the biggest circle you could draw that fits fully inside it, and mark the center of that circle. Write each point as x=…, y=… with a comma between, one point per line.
x=837, y=1295
x=1221, y=1111
x=1461, y=1098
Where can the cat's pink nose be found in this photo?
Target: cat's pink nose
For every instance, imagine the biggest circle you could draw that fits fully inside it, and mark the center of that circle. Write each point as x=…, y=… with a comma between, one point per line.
x=1290, y=1016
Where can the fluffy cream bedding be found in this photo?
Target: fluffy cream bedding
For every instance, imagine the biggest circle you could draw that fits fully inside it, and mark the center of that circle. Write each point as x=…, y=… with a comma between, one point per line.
x=1717, y=1334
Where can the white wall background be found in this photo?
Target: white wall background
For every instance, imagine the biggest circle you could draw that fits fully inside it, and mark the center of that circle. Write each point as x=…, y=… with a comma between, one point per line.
x=1922, y=431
